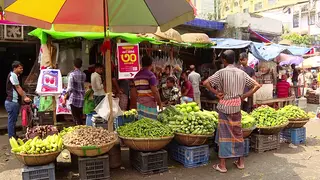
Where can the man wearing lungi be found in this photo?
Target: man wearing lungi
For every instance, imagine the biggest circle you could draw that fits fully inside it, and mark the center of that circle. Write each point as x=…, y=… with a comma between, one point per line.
x=145, y=86
x=228, y=84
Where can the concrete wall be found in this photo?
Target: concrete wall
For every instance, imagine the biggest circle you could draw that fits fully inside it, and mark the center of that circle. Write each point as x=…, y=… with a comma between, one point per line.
x=259, y=24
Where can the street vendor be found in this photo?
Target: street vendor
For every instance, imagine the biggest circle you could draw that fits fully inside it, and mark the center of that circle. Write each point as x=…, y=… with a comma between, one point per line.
x=229, y=84
x=186, y=89
x=170, y=94
x=167, y=73
x=248, y=103
x=145, y=88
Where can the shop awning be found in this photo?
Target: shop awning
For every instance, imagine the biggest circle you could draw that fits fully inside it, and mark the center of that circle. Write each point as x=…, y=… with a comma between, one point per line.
x=261, y=51
x=129, y=37
x=201, y=23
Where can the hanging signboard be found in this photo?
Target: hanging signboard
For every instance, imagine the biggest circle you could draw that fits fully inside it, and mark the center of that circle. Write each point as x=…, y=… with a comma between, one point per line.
x=128, y=60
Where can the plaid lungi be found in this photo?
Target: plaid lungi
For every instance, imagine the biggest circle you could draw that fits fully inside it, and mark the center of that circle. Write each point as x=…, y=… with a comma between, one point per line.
x=147, y=112
x=230, y=138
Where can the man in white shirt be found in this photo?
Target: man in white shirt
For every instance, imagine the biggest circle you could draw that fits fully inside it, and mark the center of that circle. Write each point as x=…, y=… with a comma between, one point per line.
x=97, y=85
x=309, y=78
x=195, y=79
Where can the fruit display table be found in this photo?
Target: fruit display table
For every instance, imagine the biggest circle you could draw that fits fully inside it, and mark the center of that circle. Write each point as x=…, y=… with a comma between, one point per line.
x=276, y=102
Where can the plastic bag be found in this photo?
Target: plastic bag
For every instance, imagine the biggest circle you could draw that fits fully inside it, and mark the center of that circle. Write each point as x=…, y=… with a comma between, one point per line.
x=46, y=103
x=60, y=109
x=116, y=110
x=103, y=108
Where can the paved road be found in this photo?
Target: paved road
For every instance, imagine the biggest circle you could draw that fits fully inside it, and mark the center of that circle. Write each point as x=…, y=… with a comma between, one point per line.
x=301, y=163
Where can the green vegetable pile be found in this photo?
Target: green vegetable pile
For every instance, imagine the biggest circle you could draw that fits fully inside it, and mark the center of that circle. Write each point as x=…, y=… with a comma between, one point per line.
x=268, y=117
x=247, y=120
x=189, y=107
x=197, y=123
x=293, y=112
x=145, y=128
x=70, y=129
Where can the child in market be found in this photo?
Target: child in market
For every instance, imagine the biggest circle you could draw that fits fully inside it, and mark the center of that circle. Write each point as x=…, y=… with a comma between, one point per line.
x=283, y=87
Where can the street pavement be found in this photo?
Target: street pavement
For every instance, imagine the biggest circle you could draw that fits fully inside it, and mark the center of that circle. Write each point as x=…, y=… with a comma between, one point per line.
x=288, y=163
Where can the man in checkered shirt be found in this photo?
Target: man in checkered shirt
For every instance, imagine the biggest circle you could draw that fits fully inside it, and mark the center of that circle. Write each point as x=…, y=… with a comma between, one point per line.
x=76, y=91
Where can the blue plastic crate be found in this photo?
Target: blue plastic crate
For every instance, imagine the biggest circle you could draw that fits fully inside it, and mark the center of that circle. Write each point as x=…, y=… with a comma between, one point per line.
x=122, y=120
x=246, y=147
x=39, y=172
x=190, y=156
x=294, y=135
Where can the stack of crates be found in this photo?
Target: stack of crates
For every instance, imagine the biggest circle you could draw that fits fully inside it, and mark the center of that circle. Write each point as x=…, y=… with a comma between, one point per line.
x=122, y=120
x=149, y=162
x=39, y=172
x=295, y=136
x=92, y=168
x=262, y=143
x=246, y=147
x=190, y=157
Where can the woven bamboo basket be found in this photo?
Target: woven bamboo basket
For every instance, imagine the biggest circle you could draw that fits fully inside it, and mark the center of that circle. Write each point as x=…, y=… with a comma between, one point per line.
x=247, y=132
x=90, y=150
x=192, y=140
x=271, y=130
x=171, y=34
x=146, y=144
x=37, y=159
x=199, y=38
x=297, y=123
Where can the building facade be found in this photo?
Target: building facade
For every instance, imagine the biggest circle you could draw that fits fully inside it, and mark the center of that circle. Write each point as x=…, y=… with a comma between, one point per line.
x=303, y=18
x=228, y=7
x=205, y=8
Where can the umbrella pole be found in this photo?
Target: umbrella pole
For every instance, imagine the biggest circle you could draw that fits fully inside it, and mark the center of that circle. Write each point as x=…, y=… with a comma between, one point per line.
x=107, y=62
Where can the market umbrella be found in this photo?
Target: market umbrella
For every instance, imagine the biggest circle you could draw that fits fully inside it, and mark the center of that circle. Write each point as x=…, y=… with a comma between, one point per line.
x=311, y=62
x=136, y=16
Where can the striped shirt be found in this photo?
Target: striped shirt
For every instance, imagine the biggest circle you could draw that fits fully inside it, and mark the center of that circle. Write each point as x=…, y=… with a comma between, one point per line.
x=231, y=81
x=143, y=81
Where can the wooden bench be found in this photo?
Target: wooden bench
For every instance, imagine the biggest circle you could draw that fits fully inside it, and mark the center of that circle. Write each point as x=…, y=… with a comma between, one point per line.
x=277, y=102
x=209, y=105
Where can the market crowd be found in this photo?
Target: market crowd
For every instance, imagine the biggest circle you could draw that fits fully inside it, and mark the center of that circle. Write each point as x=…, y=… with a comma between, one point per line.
x=149, y=92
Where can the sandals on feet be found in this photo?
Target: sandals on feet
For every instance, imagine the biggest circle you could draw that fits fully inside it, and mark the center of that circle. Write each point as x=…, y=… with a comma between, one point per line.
x=217, y=168
x=236, y=163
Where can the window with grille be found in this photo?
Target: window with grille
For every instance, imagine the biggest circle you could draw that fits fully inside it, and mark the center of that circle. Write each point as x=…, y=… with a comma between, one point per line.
x=246, y=10
x=296, y=20
x=258, y=6
x=312, y=19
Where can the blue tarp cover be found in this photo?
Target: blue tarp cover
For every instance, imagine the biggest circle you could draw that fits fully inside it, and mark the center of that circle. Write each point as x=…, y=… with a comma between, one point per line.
x=201, y=23
x=259, y=50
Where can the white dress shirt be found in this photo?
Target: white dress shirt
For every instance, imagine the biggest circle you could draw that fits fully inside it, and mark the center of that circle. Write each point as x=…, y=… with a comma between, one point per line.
x=97, y=85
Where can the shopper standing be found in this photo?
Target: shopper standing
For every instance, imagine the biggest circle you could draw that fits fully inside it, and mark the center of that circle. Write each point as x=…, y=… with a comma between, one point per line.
x=187, y=93
x=76, y=91
x=14, y=94
x=145, y=88
x=229, y=84
x=248, y=103
x=97, y=85
x=195, y=80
